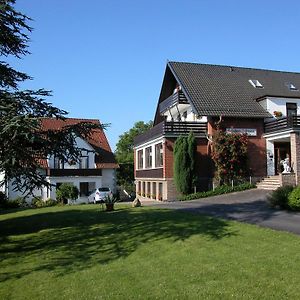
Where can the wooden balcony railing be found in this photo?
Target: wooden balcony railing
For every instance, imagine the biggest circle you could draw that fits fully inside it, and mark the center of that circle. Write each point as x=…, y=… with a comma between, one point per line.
x=172, y=129
x=74, y=172
x=177, y=98
x=282, y=124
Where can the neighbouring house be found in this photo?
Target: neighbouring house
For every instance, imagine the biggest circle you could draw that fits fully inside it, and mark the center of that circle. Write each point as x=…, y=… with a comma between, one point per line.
x=264, y=104
x=95, y=169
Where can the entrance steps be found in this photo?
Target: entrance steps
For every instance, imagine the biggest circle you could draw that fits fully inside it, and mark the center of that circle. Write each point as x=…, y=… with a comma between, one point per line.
x=269, y=183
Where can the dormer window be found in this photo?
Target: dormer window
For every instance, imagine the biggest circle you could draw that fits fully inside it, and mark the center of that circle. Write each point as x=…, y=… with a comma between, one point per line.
x=291, y=86
x=256, y=83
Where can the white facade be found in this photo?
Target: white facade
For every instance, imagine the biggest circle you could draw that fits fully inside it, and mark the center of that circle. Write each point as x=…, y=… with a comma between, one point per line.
x=272, y=104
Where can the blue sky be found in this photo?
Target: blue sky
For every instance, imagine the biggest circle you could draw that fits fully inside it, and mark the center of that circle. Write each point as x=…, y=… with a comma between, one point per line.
x=105, y=59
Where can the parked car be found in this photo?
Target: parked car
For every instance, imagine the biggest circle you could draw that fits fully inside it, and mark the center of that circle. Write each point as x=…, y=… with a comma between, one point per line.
x=99, y=195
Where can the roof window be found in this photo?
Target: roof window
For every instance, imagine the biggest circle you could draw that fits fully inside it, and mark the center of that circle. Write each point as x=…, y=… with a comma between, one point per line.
x=256, y=83
x=291, y=86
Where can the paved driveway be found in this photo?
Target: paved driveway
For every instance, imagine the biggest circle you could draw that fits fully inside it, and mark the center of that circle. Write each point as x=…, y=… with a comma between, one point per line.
x=248, y=206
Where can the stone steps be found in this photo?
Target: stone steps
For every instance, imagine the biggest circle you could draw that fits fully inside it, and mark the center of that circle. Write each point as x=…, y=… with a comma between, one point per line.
x=269, y=183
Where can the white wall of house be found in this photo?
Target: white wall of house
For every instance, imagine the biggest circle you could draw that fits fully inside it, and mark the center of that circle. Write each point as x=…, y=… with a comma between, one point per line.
x=81, y=144
x=109, y=179
x=178, y=114
x=272, y=104
x=75, y=180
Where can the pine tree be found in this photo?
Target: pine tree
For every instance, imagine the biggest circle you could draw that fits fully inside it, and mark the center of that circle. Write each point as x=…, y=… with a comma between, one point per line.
x=22, y=140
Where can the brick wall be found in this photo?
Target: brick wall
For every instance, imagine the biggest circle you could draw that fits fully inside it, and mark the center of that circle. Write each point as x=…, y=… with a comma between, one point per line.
x=256, y=144
x=295, y=155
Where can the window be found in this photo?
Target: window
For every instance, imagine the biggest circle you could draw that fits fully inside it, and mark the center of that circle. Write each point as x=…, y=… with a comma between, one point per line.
x=58, y=163
x=291, y=86
x=256, y=83
x=140, y=159
x=84, y=162
x=148, y=157
x=158, y=155
x=291, y=109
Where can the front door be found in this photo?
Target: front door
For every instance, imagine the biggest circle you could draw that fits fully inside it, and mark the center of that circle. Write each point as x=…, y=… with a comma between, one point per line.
x=282, y=151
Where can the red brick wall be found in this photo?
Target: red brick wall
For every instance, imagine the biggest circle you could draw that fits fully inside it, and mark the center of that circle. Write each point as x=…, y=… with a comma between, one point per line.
x=256, y=144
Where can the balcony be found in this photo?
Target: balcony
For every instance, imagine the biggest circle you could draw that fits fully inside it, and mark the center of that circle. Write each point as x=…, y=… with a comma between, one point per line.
x=282, y=124
x=175, y=99
x=172, y=129
x=74, y=172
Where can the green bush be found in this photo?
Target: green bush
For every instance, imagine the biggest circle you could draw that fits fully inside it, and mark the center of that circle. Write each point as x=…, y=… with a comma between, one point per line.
x=37, y=202
x=294, y=199
x=3, y=200
x=67, y=191
x=279, y=197
x=50, y=202
x=223, y=189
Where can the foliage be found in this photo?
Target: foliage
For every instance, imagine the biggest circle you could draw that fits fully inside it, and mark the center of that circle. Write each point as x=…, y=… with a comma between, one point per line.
x=67, y=191
x=13, y=203
x=279, y=197
x=22, y=140
x=124, y=154
x=184, y=163
x=3, y=200
x=294, y=199
x=223, y=189
x=230, y=156
x=110, y=199
x=37, y=202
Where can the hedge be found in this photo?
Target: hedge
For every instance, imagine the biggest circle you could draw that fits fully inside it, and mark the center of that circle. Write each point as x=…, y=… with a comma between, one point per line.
x=224, y=189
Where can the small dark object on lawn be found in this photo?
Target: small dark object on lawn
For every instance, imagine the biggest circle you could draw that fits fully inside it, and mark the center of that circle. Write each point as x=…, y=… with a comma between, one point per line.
x=136, y=203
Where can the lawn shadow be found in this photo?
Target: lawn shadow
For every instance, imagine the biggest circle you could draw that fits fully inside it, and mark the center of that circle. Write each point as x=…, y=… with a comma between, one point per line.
x=76, y=239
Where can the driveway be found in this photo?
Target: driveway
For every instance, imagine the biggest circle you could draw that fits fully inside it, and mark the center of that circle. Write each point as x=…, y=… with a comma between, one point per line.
x=248, y=206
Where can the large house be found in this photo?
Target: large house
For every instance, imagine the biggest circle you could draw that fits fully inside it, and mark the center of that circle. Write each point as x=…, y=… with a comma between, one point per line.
x=264, y=104
x=95, y=168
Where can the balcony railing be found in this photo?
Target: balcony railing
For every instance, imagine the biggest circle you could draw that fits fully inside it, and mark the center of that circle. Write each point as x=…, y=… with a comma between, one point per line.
x=172, y=129
x=74, y=172
x=282, y=124
x=177, y=98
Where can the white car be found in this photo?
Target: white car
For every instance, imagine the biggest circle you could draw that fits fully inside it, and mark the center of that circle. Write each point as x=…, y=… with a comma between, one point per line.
x=99, y=195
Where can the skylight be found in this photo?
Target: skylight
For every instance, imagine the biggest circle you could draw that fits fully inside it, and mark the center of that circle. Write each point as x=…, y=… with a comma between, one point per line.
x=256, y=83
x=292, y=87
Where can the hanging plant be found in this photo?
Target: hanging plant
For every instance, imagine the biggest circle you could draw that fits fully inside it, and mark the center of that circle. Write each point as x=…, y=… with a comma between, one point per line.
x=277, y=114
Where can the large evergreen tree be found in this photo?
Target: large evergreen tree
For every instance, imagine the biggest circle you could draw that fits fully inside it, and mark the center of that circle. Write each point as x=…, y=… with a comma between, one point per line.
x=184, y=163
x=22, y=140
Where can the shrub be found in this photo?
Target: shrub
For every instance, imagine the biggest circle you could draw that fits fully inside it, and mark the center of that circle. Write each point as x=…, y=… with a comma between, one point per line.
x=279, y=197
x=67, y=191
x=294, y=199
x=223, y=189
x=50, y=202
x=230, y=155
x=37, y=202
x=3, y=200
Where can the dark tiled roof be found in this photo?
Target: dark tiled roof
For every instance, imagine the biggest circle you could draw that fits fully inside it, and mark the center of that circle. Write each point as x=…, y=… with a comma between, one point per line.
x=104, y=158
x=225, y=90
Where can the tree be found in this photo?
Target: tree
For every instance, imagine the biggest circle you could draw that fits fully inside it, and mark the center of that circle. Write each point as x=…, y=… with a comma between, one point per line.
x=22, y=140
x=67, y=191
x=124, y=153
x=184, y=163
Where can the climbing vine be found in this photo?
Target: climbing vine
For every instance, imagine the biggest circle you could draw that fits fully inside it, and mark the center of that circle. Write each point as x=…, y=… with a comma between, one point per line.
x=230, y=156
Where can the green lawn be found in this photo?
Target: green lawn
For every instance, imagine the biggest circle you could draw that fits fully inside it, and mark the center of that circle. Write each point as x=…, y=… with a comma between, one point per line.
x=79, y=252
